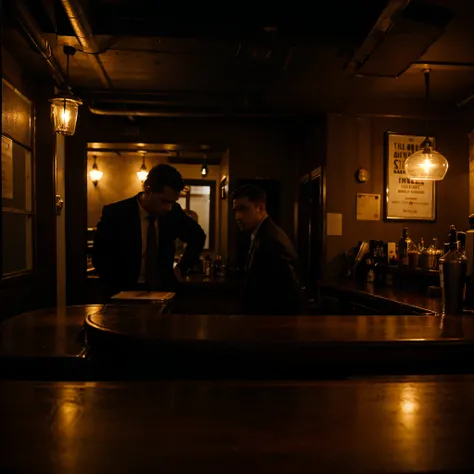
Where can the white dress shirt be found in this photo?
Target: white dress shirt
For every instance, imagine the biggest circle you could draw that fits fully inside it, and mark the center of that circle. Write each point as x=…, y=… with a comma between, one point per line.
x=144, y=223
x=254, y=233
x=252, y=239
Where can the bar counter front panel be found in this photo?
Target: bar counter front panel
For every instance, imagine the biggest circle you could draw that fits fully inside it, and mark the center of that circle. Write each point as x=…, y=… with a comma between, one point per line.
x=414, y=424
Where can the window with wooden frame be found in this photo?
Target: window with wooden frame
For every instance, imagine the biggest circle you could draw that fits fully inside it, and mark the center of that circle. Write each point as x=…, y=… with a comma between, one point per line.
x=17, y=182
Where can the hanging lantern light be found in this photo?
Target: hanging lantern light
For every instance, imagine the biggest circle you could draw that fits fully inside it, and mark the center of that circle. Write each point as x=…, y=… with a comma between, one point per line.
x=95, y=174
x=65, y=105
x=426, y=164
x=142, y=173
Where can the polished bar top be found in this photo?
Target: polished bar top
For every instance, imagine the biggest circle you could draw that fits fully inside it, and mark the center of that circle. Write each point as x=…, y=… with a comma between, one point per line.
x=143, y=323
x=53, y=332
x=383, y=425
x=402, y=296
x=50, y=332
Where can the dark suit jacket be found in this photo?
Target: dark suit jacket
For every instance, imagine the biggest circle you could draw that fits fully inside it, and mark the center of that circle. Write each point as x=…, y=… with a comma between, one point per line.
x=271, y=282
x=118, y=245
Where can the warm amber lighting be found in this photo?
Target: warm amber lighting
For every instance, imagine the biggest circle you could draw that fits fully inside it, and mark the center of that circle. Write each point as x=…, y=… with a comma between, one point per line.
x=65, y=105
x=143, y=172
x=95, y=174
x=64, y=111
x=204, y=170
x=426, y=164
x=409, y=403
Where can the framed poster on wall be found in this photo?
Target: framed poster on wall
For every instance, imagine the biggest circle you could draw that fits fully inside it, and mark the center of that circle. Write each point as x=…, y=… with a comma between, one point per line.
x=406, y=199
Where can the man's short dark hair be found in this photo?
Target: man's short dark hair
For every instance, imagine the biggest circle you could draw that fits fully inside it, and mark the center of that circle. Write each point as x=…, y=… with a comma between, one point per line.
x=254, y=194
x=164, y=175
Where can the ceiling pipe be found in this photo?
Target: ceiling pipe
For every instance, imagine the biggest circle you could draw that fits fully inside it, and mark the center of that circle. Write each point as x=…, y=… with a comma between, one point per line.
x=31, y=28
x=83, y=31
x=140, y=102
x=161, y=113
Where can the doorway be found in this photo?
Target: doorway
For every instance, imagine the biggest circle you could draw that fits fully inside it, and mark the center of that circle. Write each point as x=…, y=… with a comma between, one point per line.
x=310, y=229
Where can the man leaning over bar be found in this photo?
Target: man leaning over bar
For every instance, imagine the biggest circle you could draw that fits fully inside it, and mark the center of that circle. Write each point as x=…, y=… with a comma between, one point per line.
x=134, y=245
x=271, y=283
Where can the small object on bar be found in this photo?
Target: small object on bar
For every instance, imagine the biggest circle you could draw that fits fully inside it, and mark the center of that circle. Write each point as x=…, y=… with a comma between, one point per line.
x=144, y=295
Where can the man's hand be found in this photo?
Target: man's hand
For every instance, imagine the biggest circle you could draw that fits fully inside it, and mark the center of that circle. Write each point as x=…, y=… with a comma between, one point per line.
x=178, y=273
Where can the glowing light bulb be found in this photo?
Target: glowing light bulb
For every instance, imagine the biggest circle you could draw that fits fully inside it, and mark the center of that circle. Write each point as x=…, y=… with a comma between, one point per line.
x=64, y=113
x=95, y=175
x=65, y=117
x=426, y=164
x=142, y=174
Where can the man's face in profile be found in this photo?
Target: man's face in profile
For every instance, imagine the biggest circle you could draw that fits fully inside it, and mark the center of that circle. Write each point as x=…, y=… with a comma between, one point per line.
x=160, y=203
x=248, y=214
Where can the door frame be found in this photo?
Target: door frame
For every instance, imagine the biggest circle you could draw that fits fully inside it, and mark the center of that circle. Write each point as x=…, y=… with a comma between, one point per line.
x=306, y=178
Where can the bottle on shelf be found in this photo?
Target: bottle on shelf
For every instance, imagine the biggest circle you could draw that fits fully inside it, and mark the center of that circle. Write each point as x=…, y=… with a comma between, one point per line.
x=461, y=236
x=429, y=258
x=218, y=267
x=208, y=265
x=452, y=272
x=407, y=252
x=421, y=245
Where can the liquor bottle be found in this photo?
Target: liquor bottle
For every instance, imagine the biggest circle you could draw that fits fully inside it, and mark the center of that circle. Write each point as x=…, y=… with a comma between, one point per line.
x=405, y=245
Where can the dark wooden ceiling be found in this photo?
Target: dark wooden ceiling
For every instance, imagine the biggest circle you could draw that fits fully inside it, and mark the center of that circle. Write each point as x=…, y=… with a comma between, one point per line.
x=279, y=60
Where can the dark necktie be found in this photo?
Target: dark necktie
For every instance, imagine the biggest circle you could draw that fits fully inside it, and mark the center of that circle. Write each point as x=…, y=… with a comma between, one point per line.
x=151, y=257
x=250, y=255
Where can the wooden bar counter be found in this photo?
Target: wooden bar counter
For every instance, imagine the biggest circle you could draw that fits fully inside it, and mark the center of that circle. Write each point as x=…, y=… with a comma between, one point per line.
x=151, y=344
x=280, y=346
x=384, y=425
x=369, y=298
x=206, y=401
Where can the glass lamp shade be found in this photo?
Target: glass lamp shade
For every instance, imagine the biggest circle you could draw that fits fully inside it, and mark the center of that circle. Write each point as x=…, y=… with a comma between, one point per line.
x=426, y=164
x=95, y=174
x=142, y=174
x=64, y=110
x=204, y=170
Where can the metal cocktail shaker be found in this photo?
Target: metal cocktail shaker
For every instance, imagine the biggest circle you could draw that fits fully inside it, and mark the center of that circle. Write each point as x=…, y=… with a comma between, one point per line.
x=452, y=272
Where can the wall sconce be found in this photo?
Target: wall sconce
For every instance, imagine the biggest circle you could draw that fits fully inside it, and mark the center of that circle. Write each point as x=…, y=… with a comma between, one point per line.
x=65, y=105
x=95, y=174
x=142, y=173
x=204, y=167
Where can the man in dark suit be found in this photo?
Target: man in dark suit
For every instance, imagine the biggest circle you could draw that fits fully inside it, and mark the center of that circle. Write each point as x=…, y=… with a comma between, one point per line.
x=134, y=244
x=271, y=283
